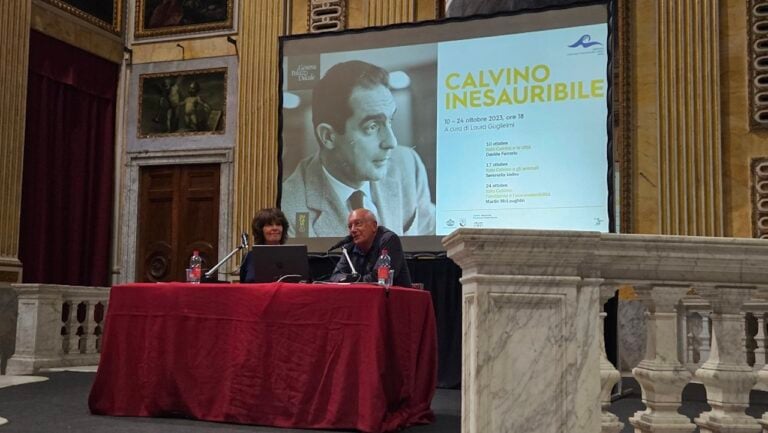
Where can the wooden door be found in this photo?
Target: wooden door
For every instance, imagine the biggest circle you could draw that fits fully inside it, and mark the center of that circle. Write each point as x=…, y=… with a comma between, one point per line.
x=178, y=213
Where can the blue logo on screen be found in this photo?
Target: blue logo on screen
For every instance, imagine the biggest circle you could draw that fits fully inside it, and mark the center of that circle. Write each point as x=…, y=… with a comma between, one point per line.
x=584, y=41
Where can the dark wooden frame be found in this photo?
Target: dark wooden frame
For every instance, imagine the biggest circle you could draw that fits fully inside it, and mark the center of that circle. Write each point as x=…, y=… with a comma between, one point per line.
x=113, y=27
x=173, y=32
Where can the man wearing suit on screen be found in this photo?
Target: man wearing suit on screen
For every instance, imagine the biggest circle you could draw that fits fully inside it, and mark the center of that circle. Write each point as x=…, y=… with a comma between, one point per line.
x=359, y=163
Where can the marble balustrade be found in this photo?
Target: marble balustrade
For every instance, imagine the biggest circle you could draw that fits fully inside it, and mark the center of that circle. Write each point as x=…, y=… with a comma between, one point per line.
x=57, y=326
x=533, y=359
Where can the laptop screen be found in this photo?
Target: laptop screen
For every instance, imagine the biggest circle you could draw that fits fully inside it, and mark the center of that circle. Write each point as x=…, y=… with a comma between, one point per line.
x=269, y=263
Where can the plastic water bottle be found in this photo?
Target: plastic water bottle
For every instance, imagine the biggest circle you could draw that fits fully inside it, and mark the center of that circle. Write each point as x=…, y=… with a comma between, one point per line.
x=383, y=265
x=195, y=267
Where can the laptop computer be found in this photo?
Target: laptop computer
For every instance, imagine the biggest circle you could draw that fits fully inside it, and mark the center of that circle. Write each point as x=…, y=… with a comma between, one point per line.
x=272, y=262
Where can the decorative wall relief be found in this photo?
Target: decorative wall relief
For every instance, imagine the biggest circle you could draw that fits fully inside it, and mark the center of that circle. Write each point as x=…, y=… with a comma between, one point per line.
x=326, y=15
x=760, y=197
x=758, y=64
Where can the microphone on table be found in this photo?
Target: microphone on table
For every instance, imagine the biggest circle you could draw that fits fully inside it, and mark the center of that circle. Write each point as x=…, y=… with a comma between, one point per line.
x=243, y=244
x=347, y=239
x=354, y=275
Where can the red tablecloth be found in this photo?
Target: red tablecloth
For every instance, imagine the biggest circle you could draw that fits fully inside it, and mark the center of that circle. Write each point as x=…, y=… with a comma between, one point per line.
x=287, y=355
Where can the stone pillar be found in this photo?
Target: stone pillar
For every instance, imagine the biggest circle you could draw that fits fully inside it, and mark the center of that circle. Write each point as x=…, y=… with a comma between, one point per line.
x=726, y=375
x=689, y=116
x=660, y=374
x=255, y=182
x=15, y=16
x=38, y=343
x=528, y=326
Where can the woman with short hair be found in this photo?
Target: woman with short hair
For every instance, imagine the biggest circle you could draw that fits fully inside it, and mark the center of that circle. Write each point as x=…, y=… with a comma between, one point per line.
x=270, y=227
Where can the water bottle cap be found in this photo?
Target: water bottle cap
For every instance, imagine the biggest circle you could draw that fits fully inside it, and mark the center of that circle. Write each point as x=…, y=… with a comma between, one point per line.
x=384, y=251
x=195, y=252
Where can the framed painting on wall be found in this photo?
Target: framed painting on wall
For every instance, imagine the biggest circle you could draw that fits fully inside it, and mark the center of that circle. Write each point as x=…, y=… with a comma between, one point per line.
x=183, y=104
x=172, y=19
x=104, y=13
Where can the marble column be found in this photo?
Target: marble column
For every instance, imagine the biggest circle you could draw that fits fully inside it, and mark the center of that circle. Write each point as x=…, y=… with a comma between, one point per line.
x=38, y=344
x=660, y=374
x=726, y=375
x=529, y=323
x=523, y=333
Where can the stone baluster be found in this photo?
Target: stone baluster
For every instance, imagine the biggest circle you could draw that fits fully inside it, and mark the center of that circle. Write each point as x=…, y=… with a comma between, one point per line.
x=698, y=330
x=749, y=343
x=691, y=353
x=760, y=341
x=69, y=343
x=88, y=327
x=762, y=375
x=660, y=374
x=706, y=337
x=81, y=328
x=726, y=376
x=683, y=346
x=92, y=337
x=693, y=337
x=100, y=324
x=758, y=307
x=609, y=376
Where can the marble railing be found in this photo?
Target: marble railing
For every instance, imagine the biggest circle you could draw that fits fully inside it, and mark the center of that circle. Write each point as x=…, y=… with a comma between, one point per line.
x=695, y=329
x=57, y=326
x=533, y=359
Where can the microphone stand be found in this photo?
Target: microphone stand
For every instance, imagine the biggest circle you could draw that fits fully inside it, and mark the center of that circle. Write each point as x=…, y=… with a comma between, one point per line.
x=354, y=273
x=224, y=260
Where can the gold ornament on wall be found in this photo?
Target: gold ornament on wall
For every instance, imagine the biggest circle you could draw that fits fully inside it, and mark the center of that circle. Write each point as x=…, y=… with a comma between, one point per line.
x=326, y=15
x=760, y=197
x=758, y=64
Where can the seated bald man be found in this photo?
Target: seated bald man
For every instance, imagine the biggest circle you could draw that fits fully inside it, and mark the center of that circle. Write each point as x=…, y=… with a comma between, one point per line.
x=368, y=239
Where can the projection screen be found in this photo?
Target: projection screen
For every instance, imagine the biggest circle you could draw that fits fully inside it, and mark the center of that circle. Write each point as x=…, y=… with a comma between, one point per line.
x=492, y=122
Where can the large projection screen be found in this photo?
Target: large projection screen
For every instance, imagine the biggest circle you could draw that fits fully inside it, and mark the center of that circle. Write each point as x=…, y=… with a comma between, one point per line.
x=489, y=122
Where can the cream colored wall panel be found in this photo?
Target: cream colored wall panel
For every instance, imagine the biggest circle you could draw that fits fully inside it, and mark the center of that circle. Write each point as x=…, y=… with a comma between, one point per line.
x=183, y=50
x=65, y=27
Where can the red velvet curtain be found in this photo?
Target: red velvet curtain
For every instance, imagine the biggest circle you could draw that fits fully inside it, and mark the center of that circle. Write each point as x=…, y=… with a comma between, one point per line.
x=67, y=187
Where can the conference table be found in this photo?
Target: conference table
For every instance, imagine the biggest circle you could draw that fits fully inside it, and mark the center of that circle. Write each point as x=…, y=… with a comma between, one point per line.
x=326, y=356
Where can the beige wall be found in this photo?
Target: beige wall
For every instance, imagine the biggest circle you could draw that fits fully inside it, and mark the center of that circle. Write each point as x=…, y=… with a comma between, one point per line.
x=738, y=145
